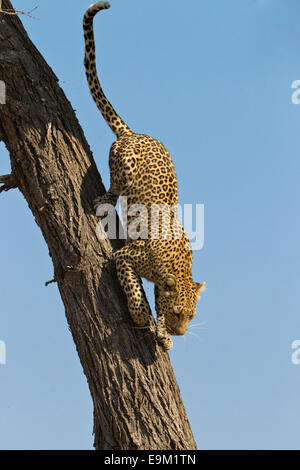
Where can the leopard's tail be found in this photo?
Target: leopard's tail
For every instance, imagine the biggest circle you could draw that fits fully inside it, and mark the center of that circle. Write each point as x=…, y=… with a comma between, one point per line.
x=110, y=115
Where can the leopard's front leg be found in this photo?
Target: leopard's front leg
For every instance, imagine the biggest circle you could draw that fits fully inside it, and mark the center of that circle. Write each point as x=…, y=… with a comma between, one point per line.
x=161, y=332
x=130, y=282
x=131, y=262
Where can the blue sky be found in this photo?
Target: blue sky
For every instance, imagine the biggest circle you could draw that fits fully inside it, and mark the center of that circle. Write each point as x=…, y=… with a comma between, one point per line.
x=212, y=80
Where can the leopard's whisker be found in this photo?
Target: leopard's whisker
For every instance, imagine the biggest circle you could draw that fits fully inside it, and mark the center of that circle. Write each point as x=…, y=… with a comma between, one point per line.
x=199, y=326
x=192, y=334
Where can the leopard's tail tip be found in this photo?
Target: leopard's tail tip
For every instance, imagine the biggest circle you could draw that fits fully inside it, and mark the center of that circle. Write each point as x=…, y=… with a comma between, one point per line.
x=99, y=6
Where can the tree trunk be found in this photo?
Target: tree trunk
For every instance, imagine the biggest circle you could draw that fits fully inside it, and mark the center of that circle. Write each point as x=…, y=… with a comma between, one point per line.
x=137, y=403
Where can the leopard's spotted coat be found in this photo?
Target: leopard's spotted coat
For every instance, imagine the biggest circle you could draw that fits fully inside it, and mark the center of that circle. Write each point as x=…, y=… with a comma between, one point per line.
x=142, y=170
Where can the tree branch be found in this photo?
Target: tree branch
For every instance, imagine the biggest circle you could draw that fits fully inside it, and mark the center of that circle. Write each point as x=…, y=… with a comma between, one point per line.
x=8, y=181
x=16, y=12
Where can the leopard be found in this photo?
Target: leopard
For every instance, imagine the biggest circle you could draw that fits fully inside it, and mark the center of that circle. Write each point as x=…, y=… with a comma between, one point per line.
x=143, y=172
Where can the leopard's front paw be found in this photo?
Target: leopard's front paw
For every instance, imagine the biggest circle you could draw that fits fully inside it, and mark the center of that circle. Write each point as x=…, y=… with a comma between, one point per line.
x=164, y=339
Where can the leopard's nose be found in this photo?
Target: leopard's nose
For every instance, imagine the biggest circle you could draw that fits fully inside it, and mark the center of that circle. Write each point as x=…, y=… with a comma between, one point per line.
x=180, y=330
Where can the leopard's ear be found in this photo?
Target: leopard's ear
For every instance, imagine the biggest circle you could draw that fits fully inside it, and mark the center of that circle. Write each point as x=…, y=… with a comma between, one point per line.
x=171, y=280
x=199, y=286
x=167, y=285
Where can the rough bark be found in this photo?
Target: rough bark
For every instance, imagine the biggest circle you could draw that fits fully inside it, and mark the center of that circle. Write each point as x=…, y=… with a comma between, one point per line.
x=137, y=403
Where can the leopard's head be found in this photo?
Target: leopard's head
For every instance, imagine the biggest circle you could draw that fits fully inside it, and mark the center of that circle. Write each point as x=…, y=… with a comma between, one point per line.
x=178, y=305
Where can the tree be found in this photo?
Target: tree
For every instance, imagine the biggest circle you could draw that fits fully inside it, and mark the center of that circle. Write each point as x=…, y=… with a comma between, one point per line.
x=137, y=403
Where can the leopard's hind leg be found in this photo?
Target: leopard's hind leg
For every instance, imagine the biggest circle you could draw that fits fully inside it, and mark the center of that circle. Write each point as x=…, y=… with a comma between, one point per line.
x=107, y=198
x=122, y=163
